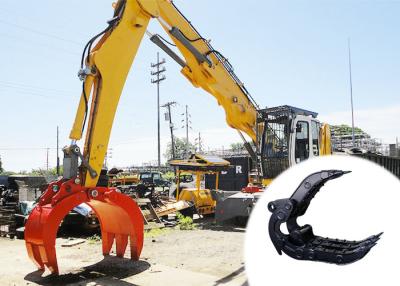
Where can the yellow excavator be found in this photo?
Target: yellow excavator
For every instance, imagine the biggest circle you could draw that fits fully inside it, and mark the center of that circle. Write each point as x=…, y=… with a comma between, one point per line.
x=280, y=137
x=199, y=165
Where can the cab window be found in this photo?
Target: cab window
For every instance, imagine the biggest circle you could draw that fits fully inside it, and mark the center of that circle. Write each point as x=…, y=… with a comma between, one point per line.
x=302, y=150
x=315, y=137
x=145, y=175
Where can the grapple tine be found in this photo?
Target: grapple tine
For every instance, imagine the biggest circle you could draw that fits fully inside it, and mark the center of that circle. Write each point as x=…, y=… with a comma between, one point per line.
x=301, y=243
x=107, y=242
x=34, y=255
x=121, y=241
x=337, y=243
x=119, y=217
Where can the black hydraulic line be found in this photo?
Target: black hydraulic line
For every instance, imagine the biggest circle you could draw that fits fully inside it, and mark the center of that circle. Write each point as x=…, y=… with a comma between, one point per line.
x=220, y=59
x=88, y=45
x=119, y=10
x=165, y=40
x=88, y=48
x=184, y=41
x=187, y=20
x=158, y=41
x=86, y=106
x=301, y=243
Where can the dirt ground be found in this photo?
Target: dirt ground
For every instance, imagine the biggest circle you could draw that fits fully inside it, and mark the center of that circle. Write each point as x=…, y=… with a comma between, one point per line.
x=209, y=255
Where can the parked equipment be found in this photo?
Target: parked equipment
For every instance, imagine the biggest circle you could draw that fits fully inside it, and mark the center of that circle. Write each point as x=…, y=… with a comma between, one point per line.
x=301, y=243
x=199, y=166
x=105, y=64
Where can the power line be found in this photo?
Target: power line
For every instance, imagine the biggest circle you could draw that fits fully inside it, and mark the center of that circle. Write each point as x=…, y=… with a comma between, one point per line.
x=35, y=91
x=25, y=53
x=26, y=148
x=32, y=87
x=35, y=21
x=22, y=92
x=56, y=49
x=40, y=32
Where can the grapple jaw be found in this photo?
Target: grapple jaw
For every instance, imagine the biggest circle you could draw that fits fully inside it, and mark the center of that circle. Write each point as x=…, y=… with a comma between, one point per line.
x=300, y=242
x=119, y=216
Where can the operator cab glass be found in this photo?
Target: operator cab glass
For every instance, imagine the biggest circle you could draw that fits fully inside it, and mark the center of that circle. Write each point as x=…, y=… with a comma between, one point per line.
x=315, y=127
x=145, y=175
x=275, y=141
x=302, y=143
x=286, y=135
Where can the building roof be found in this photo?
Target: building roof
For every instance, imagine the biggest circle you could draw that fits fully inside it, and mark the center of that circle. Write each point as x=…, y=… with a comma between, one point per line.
x=200, y=162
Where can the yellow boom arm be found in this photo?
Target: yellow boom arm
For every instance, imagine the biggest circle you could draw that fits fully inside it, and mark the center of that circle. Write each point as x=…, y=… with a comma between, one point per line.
x=107, y=65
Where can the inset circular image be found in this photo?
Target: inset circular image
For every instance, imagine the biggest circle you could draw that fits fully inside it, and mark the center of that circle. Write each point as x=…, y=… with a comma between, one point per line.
x=330, y=220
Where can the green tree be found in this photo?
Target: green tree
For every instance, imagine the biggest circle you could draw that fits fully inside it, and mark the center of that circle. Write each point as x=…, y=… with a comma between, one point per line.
x=44, y=172
x=237, y=147
x=180, y=148
x=344, y=129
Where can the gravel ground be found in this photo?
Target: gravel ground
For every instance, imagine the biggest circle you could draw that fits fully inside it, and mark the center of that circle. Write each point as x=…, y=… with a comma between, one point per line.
x=209, y=255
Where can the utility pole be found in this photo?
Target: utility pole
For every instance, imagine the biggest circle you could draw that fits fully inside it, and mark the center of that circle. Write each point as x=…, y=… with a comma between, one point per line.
x=47, y=159
x=171, y=125
x=108, y=156
x=159, y=76
x=58, y=157
x=199, y=143
x=351, y=97
x=187, y=129
x=187, y=123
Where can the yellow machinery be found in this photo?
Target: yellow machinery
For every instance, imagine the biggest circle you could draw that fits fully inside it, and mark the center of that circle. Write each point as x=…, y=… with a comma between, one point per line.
x=123, y=179
x=105, y=63
x=199, y=165
x=107, y=59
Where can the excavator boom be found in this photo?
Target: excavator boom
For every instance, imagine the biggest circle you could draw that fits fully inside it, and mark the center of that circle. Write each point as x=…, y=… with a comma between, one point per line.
x=108, y=63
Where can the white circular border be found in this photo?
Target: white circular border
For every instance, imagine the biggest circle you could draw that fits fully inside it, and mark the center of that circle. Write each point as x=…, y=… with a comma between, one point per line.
x=354, y=206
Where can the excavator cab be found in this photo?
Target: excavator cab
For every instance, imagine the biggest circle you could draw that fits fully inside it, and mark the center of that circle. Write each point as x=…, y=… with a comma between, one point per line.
x=286, y=135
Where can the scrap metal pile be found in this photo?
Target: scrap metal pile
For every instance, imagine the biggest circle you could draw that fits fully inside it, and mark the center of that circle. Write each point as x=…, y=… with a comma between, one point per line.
x=20, y=194
x=148, y=185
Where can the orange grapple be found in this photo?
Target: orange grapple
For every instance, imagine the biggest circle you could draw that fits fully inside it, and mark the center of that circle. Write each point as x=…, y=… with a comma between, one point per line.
x=119, y=216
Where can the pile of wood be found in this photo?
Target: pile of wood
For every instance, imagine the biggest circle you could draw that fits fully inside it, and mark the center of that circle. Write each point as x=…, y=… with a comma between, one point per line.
x=172, y=206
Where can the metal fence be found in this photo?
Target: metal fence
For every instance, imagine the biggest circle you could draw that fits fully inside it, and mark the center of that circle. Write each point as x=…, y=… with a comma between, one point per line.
x=392, y=164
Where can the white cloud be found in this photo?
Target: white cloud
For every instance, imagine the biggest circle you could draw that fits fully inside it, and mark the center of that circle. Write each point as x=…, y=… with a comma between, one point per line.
x=381, y=123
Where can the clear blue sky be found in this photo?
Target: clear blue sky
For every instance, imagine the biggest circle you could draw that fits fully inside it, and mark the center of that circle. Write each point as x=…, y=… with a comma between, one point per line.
x=286, y=52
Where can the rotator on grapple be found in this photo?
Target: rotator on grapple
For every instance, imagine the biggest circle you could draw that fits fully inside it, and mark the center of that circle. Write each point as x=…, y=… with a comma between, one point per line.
x=301, y=243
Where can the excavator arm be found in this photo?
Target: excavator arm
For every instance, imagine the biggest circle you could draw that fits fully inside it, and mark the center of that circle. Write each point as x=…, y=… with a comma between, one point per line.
x=106, y=61
x=106, y=66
